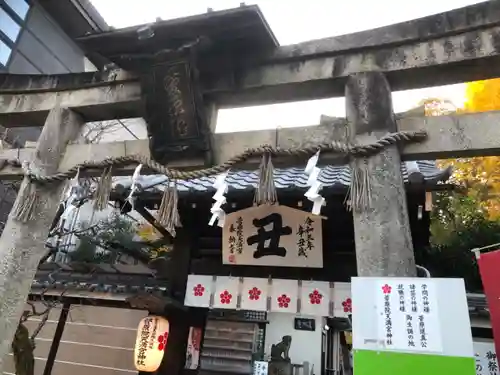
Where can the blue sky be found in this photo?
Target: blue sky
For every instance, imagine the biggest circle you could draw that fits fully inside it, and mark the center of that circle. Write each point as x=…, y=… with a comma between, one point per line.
x=295, y=22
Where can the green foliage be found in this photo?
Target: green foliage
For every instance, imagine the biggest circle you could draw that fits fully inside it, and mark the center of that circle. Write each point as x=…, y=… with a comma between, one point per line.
x=115, y=229
x=86, y=251
x=459, y=224
x=454, y=212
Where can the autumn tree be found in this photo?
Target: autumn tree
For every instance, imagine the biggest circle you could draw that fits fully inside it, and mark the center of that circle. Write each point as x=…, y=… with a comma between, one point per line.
x=479, y=176
x=162, y=245
x=469, y=216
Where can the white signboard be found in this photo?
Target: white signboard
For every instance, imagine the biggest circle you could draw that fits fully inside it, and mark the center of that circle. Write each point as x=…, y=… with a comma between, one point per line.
x=277, y=236
x=408, y=318
x=260, y=368
x=486, y=358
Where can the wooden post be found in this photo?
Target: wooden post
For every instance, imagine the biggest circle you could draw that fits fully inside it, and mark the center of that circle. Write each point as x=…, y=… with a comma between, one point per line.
x=211, y=113
x=51, y=357
x=382, y=230
x=175, y=353
x=22, y=244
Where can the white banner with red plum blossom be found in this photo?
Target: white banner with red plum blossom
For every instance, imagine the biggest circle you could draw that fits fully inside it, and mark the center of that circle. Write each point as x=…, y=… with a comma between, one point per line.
x=250, y=293
x=315, y=298
x=342, y=300
x=198, y=291
x=226, y=292
x=284, y=294
x=254, y=294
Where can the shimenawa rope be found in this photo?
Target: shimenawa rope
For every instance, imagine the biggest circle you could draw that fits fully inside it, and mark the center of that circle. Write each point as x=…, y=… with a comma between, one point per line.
x=267, y=152
x=335, y=147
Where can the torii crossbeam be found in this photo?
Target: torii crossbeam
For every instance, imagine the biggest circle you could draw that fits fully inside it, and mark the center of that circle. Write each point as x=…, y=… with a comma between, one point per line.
x=456, y=46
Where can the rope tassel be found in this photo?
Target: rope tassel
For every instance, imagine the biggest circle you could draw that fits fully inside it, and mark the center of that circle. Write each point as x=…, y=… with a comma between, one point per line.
x=24, y=207
x=101, y=197
x=27, y=199
x=359, y=195
x=168, y=213
x=266, y=190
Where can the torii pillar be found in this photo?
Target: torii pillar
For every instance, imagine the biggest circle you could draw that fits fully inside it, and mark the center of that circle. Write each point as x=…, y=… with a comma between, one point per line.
x=381, y=230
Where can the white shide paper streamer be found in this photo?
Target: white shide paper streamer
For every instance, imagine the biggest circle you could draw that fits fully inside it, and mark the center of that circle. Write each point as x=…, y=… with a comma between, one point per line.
x=74, y=192
x=135, y=185
x=314, y=185
x=218, y=213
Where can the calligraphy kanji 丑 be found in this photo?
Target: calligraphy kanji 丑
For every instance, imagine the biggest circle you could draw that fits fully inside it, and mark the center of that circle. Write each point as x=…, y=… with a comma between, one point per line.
x=271, y=237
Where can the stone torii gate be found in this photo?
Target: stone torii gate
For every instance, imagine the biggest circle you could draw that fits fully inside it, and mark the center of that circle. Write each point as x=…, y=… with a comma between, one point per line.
x=457, y=46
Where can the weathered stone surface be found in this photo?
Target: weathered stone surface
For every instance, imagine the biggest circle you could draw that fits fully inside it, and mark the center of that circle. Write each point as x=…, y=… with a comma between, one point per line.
x=227, y=145
x=381, y=228
x=18, y=83
x=459, y=20
x=449, y=136
x=454, y=136
x=456, y=46
x=444, y=60
x=21, y=244
x=112, y=101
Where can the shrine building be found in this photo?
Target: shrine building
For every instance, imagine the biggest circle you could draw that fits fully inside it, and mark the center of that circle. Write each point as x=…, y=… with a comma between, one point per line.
x=256, y=259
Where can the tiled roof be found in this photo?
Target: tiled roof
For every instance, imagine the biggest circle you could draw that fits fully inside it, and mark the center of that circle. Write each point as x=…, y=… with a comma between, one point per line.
x=116, y=278
x=290, y=178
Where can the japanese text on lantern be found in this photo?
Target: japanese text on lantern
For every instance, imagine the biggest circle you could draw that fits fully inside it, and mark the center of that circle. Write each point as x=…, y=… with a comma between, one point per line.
x=144, y=342
x=153, y=334
x=272, y=236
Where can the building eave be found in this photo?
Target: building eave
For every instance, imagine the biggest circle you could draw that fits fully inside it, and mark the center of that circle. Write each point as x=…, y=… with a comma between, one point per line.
x=77, y=18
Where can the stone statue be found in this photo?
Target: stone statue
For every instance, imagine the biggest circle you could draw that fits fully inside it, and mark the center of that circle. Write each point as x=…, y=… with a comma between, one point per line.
x=279, y=351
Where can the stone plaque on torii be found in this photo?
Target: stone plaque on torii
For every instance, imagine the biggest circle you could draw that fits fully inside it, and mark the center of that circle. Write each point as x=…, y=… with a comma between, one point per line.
x=446, y=48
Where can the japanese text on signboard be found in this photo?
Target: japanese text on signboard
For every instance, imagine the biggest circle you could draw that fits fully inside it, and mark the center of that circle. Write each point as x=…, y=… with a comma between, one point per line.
x=273, y=236
x=408, y=316
x=486, y=358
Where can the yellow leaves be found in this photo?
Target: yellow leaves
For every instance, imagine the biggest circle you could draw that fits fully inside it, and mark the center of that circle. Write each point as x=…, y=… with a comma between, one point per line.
x=482, y=96
x=481, y=175
x=156, y=253
x=147, y=232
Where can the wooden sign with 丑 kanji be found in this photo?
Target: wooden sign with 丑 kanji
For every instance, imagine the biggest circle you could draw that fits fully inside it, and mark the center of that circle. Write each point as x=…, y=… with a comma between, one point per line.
x=268, y=235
